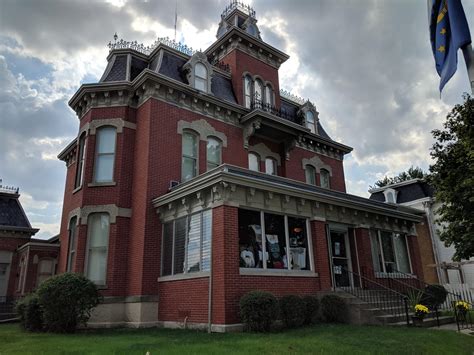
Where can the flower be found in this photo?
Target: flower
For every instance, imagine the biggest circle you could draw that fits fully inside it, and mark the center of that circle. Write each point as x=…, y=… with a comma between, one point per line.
x=462, y=306
x=421, y=310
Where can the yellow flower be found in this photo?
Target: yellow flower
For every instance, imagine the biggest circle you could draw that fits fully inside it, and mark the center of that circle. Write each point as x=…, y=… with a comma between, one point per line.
x=421, y=309
x=463, y=305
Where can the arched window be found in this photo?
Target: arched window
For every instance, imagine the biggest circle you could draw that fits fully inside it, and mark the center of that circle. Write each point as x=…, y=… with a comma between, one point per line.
x=71, y=244
x=310, y=173
x=271, y=166
x=310, y=122
x=258, y=93
x=247, y=91
x=98, y=226
x=105, y=154
x=324, y=177
x=81, y=153
x=200, y=77
x=214, y=153
x=254, y=162
x=189, y=162
x=390, y=196
x=268, y=96
x=45, y=270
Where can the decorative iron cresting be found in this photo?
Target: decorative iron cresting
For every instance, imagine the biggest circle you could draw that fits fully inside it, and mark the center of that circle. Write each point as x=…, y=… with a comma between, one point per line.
x=8, y=189
x=234, y=4
x=288, y=95
x=258, y=104
x=140, y=47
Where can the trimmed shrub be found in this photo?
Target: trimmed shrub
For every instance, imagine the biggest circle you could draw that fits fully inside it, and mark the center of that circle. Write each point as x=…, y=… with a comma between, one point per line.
x=29, y=312
x=311, y=309
x=292, y=311
x=334, y=309
x=434, y=296
x=67, y=301
x=258, y=310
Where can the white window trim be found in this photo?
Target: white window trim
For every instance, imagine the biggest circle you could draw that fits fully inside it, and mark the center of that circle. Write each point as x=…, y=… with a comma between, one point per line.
x=81, y=160
x=258, y=161
x=394, y=192
x=384, y=273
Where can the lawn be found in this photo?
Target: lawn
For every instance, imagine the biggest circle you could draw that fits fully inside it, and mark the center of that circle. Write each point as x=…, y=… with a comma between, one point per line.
x=327, y=339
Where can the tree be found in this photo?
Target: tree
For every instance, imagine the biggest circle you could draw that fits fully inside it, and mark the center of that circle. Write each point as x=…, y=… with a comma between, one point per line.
x=411, y=173
x=452, y=177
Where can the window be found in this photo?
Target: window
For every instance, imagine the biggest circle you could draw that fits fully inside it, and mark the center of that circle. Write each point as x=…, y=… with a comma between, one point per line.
x=80, y=161
x=200, y=77
x=268, y=96
x=310, y=173
x=390, y=252
x=189, y=164
x=214, y=151
x=21, y=278
x=271, y=166
x=45, y=270
x=247, y=91
x=310, y=121
x=105, y=154
x=258, y=92
x=98, y=242
x=324, y=177
x=285, y=245
x=186, y=244
x=72, y=244
x=390, y=195
x=254, y=162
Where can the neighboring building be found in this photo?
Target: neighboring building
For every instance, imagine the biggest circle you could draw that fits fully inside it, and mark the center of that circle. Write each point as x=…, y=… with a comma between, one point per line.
x=437, y=258
x=194, y=179
x=24, y=261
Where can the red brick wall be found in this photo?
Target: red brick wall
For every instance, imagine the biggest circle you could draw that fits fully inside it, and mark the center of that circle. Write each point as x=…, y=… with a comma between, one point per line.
x=365, y=252
x=11, y=244
x=426, y=252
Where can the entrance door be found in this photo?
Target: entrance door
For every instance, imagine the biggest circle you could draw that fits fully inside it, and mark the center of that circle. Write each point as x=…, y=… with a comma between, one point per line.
x=5, y=260
x=340, y=259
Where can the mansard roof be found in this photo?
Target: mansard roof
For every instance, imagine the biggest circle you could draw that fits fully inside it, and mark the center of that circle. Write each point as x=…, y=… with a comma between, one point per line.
x=12, y=216
x=407, y=191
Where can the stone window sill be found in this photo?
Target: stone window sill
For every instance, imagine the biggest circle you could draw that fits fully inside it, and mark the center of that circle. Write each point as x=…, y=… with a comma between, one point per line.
x=100, y=184
x=191, y=275
x=280, y=273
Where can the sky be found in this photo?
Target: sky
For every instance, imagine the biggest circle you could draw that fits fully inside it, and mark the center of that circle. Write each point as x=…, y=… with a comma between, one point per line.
x=367, y=65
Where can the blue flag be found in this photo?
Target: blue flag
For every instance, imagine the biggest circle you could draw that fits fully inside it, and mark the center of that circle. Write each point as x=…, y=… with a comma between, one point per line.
x=449, y=31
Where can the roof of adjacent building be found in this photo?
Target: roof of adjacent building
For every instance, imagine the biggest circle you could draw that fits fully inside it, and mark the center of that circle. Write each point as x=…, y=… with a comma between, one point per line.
x=407, y=191
x=12, y=215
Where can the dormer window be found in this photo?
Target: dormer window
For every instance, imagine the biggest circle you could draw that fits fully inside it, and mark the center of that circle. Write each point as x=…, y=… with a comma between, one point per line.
x=199, y=72
x=309, y=116
x=200, y=77
x=390, y=196
x=310, y=122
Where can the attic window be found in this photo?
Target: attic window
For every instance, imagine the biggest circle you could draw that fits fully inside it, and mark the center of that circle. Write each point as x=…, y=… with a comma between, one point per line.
x=200, y=77
x=199, y=72
x=310, y=121
x=390, y=196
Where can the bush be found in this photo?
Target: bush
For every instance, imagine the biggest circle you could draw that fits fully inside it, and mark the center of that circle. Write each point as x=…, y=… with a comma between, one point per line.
x=292, y=311
x=67, y=301
x=258, y=310
x=29, y=312
x=333, y=309
x=434, y=296
x=311, y=309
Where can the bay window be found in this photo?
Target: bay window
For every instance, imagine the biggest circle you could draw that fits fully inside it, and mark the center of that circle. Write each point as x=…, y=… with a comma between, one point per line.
x=105, y=154
x=390, y=252
x=186, y=244
x=272, y=241
x=98, y=225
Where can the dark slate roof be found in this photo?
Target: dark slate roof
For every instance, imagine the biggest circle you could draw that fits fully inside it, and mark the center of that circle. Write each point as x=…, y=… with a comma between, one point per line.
x=407, y=193
x=322, y=132
x=137, y=67
x=119, y=69
x=11, y=213
x=171, y=67
x=221, y=87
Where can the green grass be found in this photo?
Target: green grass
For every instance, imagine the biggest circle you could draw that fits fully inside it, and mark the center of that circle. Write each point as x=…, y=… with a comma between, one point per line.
x=322, y=339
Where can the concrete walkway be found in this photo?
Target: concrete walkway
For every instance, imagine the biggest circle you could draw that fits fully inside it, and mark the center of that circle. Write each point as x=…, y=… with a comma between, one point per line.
x=453, y=326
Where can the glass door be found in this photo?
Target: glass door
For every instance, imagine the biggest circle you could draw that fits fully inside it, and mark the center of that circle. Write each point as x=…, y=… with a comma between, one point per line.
x=340, y=259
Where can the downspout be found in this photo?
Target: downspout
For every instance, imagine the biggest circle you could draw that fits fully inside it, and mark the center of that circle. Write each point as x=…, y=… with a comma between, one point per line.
x=209, y=306
x=429, y=216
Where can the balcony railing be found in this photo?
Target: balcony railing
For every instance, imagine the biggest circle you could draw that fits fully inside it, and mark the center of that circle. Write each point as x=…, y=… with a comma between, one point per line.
x=260, y=105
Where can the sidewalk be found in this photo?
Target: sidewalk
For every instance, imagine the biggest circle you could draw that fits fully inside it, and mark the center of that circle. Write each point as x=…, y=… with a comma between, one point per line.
x=453, y=326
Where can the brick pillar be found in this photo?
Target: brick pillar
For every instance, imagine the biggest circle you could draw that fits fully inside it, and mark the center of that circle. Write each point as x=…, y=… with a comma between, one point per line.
x=415, y=256
x=364, y=251
x=225, y=265
x=321, y=254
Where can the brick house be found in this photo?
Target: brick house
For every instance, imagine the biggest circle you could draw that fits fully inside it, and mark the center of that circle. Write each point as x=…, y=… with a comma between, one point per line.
x=194, y=179
x=24, y=261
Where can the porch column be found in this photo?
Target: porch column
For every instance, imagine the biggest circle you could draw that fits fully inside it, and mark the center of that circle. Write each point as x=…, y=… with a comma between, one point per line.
x=321, y=253
x=364, y=250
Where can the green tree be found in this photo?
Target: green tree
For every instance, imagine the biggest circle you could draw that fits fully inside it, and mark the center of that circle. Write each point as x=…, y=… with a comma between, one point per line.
x=411, y=173
x=452, y=177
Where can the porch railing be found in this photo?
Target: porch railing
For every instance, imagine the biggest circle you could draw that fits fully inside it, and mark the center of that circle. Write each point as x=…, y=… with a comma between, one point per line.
x=387, y=300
